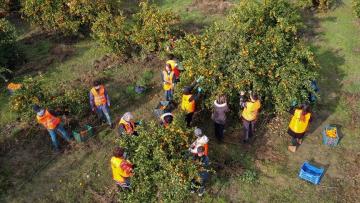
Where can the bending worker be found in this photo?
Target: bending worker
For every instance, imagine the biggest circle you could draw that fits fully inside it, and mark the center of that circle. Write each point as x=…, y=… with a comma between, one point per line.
x=188, y=103
x=52, y=123
x=249, y=114
x=201, y=140
x=298, y=125
x=122, y=169
x=100, y=102
x=127, y=126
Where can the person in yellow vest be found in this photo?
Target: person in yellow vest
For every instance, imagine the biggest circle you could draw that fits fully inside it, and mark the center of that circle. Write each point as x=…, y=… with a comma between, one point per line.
x=127, y=126
x=121, y=168
x=168, y=79
x=249, y=114
x=52, y=123
x=100, y=102
x=175, y=67
x=299, y=125
x=188, y=101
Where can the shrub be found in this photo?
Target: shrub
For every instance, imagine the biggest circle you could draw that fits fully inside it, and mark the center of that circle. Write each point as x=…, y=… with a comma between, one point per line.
x=256, y=48
x=356, y=6
x=57, y=96
x=163, y=172
x=10, y=54
x=323, y=5
x=63, y=16
x=145, y=32
x=152, y=27
x=113, y=32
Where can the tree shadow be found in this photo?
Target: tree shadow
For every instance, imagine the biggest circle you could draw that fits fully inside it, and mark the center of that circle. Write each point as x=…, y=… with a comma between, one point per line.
x=330, y=74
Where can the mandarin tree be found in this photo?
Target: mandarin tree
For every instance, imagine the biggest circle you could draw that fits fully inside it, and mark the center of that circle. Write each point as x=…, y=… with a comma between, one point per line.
x=257, y=47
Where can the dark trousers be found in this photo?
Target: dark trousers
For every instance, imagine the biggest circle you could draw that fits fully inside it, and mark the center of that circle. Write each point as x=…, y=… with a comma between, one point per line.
x=219, y=131
x=188, y=119
x=248, y=128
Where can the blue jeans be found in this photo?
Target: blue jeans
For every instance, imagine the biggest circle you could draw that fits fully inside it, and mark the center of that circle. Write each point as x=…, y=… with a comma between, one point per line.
x=63, y=133
x=168, y=95
x=103, y=111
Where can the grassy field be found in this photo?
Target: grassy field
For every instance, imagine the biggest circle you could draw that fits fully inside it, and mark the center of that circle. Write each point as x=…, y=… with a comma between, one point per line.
x=261, y=172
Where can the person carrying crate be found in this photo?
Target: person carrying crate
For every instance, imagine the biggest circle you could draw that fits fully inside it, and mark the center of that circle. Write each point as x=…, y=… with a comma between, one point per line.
x=100, y=102
x=121, y=168
x=52, y=123
x=298, y=125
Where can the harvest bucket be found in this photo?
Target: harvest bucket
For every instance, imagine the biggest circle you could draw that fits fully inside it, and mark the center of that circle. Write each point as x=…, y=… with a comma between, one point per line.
x=83, y=134
x=330, y=135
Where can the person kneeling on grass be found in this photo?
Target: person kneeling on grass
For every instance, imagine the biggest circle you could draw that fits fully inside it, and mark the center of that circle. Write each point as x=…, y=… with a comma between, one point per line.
x=122, y=169
x=202, y=140
x=127, y=126
x=52, y=123
x=199, y=184
x=298, y=125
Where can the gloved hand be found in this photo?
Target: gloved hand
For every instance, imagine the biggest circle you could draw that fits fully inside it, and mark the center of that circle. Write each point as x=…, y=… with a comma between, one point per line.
x=242, y=93
x=199, y=89
x=199, y=79
x=140, y=122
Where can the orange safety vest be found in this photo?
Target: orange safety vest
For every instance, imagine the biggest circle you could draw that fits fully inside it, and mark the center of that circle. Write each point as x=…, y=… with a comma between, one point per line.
x=297, y=125
x=186, y=105
x=49, y=121
x=172, y=64
x=121, y=169
x=168, y=80
x=99, y=96
x=251, y=110
x=129, y=126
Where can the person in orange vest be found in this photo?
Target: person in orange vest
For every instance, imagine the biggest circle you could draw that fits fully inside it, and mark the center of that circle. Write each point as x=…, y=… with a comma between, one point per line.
x=127, y=126
x=249, y=114
x=12, y=87
x=201, y=140
x=188, y=101
x=121, y=168
x=100, y=102
x=166, y=119
x=168, y=79
x=52, y=123
x=298, y=125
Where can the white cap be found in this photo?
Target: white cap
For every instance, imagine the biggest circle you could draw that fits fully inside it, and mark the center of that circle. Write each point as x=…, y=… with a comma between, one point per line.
x=197, y=132
x=128, y=116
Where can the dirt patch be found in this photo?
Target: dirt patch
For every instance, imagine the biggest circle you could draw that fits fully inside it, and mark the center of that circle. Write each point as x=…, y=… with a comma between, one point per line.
x=62, y=51
x=210, y=6
x=352, y=101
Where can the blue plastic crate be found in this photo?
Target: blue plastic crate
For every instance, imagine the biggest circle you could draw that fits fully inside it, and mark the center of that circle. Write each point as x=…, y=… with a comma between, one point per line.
x=311, y=173
x=329, y=140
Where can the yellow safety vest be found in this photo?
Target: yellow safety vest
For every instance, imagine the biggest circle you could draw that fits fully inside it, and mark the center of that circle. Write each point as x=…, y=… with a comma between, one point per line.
x=298, y=125
x=119, y=174
x=186, y=105
x=251, y=110
x=168, y=78
x=172, y=64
